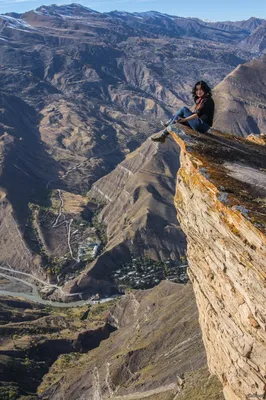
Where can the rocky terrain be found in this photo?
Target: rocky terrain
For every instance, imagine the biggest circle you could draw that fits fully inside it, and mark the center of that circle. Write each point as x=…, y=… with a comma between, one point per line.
x=138, y=214
x=156, y=350
x=240, y=99
x=72, y=108
x=128, y=357
x=87, y=207
x=82, y=90
x=33, y=336
x=220, y=201
x=156, y=353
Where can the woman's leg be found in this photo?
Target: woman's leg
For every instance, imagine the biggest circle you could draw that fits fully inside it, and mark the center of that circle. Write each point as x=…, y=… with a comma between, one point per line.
x=196, y=124
x=181, y=113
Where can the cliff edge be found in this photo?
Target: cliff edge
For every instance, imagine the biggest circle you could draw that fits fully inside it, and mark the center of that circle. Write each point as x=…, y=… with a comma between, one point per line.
x=220, y=201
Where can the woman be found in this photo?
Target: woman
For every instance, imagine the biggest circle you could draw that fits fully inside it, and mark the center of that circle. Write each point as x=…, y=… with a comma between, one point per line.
x=200, y=119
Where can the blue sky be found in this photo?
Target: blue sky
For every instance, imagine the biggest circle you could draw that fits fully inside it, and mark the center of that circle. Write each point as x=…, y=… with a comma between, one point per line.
x=223, y=10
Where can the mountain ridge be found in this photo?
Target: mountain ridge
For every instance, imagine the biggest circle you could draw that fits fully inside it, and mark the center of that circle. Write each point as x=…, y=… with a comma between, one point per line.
x=172, y=25
x=97, y=87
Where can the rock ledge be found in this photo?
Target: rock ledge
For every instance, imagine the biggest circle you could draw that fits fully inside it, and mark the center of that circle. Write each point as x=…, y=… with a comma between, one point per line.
x=220, y=202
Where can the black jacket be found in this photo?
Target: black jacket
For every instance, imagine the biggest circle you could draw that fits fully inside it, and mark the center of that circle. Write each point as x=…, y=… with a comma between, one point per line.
x=206, y=110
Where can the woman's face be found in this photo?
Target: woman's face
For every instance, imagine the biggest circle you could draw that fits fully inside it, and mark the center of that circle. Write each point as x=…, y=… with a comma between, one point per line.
x=199, y=91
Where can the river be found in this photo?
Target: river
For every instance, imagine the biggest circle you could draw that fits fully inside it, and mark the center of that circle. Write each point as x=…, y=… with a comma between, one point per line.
x=34, y=296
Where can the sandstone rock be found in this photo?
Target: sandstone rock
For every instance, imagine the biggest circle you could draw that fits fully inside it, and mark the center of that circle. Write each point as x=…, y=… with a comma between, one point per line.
x=223, y=216
x=260, y=139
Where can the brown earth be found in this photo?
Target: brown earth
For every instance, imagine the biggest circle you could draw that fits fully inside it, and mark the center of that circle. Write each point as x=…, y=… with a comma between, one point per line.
x=33, y=336
x=240, y=100
x=155, y=353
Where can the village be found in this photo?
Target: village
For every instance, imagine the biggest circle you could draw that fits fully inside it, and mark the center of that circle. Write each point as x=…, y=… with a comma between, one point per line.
x=144, y=273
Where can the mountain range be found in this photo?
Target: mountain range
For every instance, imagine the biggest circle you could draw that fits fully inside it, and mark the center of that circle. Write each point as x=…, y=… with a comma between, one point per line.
x=81, y=93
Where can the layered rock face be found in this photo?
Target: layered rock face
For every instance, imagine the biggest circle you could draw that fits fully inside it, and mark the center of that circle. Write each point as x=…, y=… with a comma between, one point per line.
x=220, y=201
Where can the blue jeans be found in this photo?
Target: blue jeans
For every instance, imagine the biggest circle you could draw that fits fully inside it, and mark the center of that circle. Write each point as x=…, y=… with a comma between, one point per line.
x=197, y=124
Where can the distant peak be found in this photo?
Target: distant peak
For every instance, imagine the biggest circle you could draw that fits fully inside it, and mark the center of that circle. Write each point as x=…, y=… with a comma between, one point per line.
x=75, y=9
x=254, y=19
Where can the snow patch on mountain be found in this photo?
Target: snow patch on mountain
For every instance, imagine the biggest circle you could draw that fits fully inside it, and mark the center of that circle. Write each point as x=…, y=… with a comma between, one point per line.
x=65, y=10
x=16, y=23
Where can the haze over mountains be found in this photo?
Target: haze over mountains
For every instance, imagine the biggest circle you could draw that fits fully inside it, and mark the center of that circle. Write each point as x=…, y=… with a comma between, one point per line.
x=80, y=91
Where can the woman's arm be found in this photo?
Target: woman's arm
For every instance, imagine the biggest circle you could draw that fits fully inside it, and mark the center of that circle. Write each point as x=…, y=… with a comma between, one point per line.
x=193, y=116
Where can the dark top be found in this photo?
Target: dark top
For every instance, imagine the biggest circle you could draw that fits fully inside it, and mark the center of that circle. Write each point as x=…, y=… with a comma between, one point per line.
x=206, y=110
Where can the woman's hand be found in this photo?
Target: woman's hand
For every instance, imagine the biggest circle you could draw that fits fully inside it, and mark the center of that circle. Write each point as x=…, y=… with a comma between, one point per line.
x=180, y=120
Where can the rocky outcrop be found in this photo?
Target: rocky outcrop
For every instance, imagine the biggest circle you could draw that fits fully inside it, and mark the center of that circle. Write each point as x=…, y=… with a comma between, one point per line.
x=220, y=202
x=257, y=40
x=138, y=201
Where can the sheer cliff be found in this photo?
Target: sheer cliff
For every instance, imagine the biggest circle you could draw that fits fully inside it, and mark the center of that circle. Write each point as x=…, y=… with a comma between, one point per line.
x=220, y=202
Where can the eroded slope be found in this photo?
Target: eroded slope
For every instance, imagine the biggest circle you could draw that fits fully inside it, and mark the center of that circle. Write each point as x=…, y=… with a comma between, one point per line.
x=155, y=353
x=139, y=214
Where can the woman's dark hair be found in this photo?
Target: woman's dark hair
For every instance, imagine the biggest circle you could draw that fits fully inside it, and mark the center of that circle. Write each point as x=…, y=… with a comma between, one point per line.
x=206, y=89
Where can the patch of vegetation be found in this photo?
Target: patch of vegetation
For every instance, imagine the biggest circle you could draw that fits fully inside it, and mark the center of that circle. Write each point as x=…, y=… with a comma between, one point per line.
x=99, y=311
x=31, y=233
x=199, y=385
x=82, y=246
x=9, y=391
x=100, y=227
x=66, y=359
x=95, y=222
x=80, y=224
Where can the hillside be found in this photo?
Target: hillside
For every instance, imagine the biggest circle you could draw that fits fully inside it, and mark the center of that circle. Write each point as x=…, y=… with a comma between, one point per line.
x=73, y=109
x=240, y=100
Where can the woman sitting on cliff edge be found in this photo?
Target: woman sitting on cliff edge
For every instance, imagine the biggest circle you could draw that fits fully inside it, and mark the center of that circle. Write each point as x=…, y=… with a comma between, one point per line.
x=200, y=119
